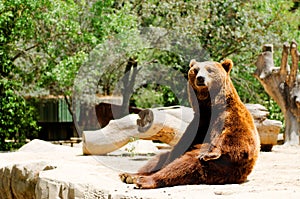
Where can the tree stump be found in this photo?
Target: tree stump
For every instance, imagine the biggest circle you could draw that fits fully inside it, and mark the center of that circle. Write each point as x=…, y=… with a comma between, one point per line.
x=283, y=85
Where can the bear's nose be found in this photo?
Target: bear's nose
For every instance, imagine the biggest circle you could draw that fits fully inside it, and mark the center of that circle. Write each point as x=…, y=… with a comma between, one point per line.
x=200, y=80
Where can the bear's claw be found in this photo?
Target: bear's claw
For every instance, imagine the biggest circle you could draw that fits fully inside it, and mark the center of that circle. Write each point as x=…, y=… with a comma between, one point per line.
x=209, y=156
x=128, y=178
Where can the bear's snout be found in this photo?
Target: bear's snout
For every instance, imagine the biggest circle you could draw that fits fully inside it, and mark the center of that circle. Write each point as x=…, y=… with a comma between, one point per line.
x=200, y=81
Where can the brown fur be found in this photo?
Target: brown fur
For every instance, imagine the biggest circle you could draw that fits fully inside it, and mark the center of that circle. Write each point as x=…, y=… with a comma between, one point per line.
x=225, y=142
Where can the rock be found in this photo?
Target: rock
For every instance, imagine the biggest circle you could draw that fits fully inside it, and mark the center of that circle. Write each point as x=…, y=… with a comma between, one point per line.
x=258, y=111
x=5, y=188
x=41, y=146
x=268, y=130
x=19, y=180
x=143, y=147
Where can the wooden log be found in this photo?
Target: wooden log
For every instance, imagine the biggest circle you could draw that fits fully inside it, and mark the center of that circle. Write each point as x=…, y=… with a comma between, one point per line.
x=164, y=124
x=284, y=67
x=112, y=137
x=283, y=85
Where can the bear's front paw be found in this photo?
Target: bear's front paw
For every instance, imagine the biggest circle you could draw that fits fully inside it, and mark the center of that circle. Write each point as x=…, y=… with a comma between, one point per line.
x=128, y=178
x=209, y=156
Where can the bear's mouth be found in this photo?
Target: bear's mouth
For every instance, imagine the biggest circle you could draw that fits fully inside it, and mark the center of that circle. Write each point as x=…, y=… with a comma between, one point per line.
x=200, y=83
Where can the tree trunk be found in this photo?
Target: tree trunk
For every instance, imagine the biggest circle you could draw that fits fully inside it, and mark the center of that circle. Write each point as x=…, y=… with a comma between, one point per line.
x=74, y=118
x=128, y=83
x=291, y=136
x=283, y=85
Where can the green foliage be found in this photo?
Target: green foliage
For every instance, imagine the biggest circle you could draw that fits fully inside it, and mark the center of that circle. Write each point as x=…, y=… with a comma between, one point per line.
x=43, y=44
x=169, y=97
x=229, y=29
x=39, y=48
x=17, y=118
x=147, y=97
x=154, y=96
x=64, y=79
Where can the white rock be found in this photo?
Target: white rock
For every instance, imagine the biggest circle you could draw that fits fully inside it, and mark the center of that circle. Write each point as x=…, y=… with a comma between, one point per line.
x=140, y=147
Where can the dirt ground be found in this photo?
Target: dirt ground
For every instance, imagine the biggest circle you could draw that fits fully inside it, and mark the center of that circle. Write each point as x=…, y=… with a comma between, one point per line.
x=276, y=175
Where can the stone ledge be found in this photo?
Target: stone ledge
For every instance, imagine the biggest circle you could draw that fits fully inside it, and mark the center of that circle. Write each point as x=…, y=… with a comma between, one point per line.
x=62, y=172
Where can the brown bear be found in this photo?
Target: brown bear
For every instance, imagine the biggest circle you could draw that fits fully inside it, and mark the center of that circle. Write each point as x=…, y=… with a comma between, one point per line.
x=220, y=145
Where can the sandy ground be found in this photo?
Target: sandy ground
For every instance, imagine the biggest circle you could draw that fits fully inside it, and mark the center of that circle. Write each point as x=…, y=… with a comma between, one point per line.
x=276, y=175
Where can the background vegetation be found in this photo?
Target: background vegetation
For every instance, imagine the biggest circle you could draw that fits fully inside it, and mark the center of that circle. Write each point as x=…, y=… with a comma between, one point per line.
x=44, y=43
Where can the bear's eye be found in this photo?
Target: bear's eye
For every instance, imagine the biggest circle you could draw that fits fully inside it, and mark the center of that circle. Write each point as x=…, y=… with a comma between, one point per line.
x=210, y=70
x=196, y=70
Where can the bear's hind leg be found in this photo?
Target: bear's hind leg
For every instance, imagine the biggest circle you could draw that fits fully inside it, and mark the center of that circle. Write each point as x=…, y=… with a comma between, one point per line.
x=184, y=170
x=153, y=165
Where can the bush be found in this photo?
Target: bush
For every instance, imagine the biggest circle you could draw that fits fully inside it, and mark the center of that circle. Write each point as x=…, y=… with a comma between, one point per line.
x=17, y=118
x=153, y=96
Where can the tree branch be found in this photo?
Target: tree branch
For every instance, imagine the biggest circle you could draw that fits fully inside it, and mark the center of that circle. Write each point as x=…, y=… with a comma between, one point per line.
x=235, y=50
x=294, y=68
x=265, y=62
x=36, y=45
x=23, y=51
x=284, y=68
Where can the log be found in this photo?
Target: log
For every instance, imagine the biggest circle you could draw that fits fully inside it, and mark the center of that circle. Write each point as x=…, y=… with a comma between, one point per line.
x=165, y=124
x=112, y=137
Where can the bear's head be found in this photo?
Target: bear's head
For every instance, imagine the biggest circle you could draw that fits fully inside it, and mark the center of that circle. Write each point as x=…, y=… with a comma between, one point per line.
x=207, y=77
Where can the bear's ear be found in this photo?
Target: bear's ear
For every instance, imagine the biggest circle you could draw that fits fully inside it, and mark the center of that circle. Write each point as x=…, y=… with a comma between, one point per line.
x=192, y=63
x=227, y=65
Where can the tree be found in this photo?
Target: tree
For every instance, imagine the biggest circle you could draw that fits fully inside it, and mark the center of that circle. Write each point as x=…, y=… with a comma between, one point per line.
x=283, y=85
x=45, y=43
x=17, y=119
x=36, y=38
x=225, y=29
